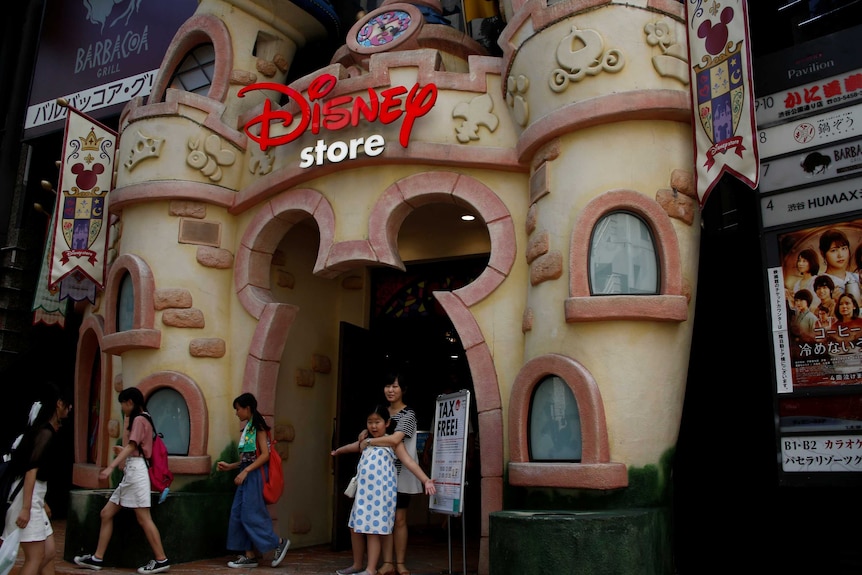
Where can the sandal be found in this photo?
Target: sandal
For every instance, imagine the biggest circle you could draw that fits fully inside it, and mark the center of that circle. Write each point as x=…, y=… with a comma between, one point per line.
x=382, y=571
x=401, y=571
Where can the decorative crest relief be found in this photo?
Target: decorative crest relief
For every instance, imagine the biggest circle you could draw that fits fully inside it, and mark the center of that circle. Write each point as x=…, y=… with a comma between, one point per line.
x=211, y=158
x=581, y=53
x=144, y=147
x=673, y=61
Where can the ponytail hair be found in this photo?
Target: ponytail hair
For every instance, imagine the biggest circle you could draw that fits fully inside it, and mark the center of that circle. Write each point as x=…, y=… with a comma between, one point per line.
x=137, y=398
x=248, y=400
x=41, y=412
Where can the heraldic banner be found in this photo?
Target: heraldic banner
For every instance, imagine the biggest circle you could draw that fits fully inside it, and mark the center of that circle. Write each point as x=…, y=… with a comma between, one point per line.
x=722, y=93
x=48, y=308
x=80, y=234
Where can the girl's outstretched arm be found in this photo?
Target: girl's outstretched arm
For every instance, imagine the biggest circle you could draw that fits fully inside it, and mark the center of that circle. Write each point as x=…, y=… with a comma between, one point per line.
x=349, y=448
x=410, y=463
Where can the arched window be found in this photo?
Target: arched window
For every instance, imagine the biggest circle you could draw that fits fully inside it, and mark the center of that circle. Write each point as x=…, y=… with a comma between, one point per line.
x=195, y=73
x=625, y=262
x=129, y=310
x=555, y=422
x=557, y=431
x=126, y=304
x=623, y=256
x=171, y=418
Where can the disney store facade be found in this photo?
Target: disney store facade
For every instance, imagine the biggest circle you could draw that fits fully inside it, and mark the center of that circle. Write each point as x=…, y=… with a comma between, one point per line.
x=521, y=223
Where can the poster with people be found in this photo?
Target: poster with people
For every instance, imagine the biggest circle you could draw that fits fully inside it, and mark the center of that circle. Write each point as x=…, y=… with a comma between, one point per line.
x=821, y=268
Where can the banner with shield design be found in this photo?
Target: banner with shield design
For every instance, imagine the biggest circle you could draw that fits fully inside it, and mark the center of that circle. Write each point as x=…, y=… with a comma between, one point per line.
x=722, y=93
x=80, y=234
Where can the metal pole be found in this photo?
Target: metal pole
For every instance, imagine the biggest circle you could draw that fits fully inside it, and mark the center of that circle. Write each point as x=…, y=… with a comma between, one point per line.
x=463, y=545
x=449, y=537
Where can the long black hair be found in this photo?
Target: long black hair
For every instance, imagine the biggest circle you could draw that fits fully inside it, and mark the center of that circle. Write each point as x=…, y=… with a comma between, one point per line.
x=248, y=400
x=26, y=445
x=139, y=403
x=49, y=395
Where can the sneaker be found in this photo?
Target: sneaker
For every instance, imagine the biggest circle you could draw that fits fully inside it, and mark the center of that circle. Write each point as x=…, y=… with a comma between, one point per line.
x=155, y=566
x=89, y=562
x=280, y=551
x=242, y=561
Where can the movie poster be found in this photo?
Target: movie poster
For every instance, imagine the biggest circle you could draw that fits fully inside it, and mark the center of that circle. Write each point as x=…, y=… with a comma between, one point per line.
x=821, y=268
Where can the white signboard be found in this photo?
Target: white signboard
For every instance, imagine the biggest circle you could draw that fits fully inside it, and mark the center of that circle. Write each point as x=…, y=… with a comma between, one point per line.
x=781, y=347
x=91, y=99
x=801, y=100
x=811, y=167
x=822, y=453
x=830, y=199
x=779, y=330
x=809, y=132
x=451, y=422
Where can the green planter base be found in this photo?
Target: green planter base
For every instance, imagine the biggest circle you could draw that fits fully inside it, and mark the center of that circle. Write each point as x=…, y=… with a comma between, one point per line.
x=193, y=526
x=632, y=541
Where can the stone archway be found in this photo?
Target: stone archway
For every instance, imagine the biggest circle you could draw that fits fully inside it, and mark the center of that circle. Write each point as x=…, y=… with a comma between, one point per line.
x=277, y=216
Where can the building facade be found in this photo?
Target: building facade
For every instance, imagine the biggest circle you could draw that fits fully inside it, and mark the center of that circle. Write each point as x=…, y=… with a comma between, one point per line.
x=293, y=236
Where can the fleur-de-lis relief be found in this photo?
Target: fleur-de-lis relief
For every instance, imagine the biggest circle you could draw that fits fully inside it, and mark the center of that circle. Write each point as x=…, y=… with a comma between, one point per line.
x=476, y=112
x=261, y=162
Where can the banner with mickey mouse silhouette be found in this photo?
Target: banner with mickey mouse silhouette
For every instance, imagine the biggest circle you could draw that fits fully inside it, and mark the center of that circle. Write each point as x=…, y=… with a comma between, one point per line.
x=722, y=93
x=80, y=234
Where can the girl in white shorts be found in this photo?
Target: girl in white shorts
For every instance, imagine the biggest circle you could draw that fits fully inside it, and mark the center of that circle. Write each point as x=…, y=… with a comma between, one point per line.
x=133, y=492
x=31, y=463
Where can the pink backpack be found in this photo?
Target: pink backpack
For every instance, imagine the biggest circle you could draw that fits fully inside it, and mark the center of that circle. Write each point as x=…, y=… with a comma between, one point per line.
x=160, y=475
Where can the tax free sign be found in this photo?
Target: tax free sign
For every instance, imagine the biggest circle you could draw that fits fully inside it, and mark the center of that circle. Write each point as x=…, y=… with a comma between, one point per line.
x=326, y=117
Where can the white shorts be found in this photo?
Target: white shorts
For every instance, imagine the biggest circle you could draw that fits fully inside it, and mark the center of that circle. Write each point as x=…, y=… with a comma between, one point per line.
x=134, y=490
x=39, y=526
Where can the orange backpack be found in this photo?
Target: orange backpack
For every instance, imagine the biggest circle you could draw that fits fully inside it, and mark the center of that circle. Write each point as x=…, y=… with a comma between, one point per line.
x=273, y=475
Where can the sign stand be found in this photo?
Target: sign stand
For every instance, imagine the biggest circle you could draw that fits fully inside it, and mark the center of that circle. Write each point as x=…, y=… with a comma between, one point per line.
x=451, y=422
x=463, y=544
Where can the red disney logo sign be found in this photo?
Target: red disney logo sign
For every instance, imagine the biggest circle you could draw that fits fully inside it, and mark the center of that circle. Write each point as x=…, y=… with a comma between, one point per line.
x=340, y=111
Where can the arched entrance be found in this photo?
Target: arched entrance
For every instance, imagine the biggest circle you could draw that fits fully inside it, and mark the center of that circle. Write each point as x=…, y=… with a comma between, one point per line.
x=269, y=290
x=409, y=332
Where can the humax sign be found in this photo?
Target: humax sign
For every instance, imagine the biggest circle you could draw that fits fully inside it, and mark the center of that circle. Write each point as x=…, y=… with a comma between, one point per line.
x=339, y=112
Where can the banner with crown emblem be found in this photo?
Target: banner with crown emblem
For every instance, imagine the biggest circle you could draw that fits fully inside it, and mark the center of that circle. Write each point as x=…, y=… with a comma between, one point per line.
x=80, y=234
x=722, y=93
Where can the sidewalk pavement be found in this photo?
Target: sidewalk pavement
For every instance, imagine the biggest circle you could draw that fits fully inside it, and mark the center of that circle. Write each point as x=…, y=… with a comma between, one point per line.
x=427, y=555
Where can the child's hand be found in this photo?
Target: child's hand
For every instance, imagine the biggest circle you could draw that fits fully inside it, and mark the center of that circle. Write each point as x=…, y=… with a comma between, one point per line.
x=430, y=488
x=222, y=466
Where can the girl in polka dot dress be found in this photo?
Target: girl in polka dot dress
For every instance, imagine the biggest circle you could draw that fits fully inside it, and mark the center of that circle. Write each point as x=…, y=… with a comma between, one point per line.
x=373, y=513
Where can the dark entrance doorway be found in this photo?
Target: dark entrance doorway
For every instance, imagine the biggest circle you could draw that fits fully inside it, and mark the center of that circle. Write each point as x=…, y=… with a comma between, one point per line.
x=411, y=333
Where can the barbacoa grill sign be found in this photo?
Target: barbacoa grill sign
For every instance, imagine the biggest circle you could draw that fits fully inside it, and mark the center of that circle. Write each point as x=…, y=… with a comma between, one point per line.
x=318, y=114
